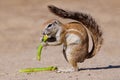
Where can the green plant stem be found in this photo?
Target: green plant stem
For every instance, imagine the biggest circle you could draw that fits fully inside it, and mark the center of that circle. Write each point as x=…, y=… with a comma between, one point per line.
x=29, y=70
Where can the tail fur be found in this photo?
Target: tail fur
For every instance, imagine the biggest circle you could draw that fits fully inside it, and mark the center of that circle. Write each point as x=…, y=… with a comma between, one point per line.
x=85, y=19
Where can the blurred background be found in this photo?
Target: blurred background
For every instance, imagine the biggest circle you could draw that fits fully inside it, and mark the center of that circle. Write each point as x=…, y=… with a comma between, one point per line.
x=20, y=28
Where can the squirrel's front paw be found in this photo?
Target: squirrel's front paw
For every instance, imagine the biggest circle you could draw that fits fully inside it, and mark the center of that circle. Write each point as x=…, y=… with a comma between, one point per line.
x=44, y=44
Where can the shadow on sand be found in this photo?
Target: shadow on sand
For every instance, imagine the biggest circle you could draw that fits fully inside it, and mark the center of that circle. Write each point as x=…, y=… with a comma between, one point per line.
x=99, y=68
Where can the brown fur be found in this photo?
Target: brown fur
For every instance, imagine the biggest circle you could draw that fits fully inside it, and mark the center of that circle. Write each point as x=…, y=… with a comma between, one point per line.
x=77, y=54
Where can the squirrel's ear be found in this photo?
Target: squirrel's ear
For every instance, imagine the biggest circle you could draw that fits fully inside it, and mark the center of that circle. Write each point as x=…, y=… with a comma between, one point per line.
x=57, y=22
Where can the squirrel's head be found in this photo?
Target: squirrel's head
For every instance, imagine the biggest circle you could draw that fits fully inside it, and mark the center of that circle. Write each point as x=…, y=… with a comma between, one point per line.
x=51, y=27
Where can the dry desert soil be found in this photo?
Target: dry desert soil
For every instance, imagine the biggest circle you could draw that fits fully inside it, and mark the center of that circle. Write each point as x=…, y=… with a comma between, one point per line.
x=20, y=28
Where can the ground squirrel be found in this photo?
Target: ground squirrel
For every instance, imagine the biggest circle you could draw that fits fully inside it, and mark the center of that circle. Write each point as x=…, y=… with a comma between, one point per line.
x=73, y=35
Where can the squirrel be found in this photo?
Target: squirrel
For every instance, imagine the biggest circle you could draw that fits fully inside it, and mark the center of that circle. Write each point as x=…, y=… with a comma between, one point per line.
x=73, y=35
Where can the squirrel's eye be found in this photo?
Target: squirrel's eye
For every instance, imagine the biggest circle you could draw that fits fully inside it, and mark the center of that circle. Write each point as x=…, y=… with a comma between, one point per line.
x=49, y=25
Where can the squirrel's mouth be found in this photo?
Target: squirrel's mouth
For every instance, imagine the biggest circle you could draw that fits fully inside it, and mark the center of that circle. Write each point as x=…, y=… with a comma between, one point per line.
x=51, y=39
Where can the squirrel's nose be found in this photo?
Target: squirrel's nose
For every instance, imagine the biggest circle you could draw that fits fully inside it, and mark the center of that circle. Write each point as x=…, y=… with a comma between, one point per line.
x=43, y=33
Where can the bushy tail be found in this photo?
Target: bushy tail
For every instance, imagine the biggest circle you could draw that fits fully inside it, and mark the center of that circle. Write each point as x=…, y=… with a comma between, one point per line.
x=85, y=19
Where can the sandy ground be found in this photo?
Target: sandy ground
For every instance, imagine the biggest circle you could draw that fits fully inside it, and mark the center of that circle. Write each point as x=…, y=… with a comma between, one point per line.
x=20, y=29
